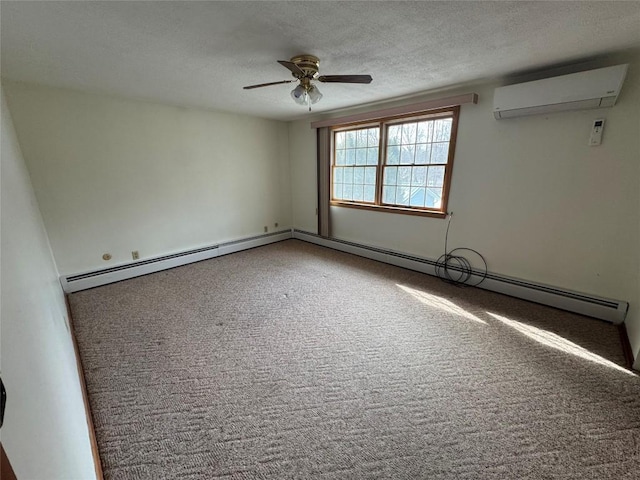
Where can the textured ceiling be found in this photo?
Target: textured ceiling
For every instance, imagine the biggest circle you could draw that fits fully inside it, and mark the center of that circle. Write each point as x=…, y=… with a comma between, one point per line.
x=202, y=53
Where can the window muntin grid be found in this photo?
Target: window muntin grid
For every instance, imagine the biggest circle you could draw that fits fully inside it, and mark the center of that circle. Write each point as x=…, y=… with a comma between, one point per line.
x=415, y=164
x=355, y=168
x=410, y=175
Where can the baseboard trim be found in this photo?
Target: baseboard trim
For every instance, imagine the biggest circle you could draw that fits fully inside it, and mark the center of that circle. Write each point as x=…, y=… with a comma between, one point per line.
x=85, y=396
x=96, y=278
x=610, y=310
x=626, y=346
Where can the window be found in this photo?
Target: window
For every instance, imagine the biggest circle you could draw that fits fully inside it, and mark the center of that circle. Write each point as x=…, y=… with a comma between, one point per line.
x=395, y=164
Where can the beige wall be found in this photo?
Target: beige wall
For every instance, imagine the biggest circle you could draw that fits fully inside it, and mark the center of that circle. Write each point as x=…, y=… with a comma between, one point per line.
x=115, y=175
x=45, y=431
x=528, y=193
x=304, y=193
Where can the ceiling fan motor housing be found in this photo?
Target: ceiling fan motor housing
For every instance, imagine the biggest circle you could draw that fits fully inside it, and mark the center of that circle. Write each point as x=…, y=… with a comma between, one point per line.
x=309, y=64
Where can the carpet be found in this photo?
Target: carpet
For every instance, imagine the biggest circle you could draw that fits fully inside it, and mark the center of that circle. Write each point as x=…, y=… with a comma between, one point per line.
x=297, y=361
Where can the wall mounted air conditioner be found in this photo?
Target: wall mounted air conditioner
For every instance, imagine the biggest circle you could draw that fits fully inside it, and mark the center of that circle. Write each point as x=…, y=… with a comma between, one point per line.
x=590, y=89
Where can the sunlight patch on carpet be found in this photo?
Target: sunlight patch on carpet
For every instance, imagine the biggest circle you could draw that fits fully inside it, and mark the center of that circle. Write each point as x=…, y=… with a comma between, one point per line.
x=555, y=341
x=440, y=303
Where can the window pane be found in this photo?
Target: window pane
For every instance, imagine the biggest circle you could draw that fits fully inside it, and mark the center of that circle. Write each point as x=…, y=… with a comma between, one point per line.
x=419, y=177
x=372, y=156
x=358, y=175
x=417, y=197
x=404, y=176
x=348, y=175
x=347, y=192
x=374, y=137
x=407, y=154
x=390, y=175
x=370, y=175
x=394, y=135
x=408, y=133
x=442, y=130
x=425, y=132
x=434, y=197
x=415, y=157
x=423, y=151
x=439, y=152
x=361, y=137
x=350, y=139
x=388, y=194
x=402, y=195
x=436, y=177
x=369, y=193
x=393, y=155
x=350, y=157
x=361, y=156
x=358, y=192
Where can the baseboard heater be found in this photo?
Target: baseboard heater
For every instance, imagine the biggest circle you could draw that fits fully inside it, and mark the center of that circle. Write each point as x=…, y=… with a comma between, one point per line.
x=613, y=311
x=96, y=278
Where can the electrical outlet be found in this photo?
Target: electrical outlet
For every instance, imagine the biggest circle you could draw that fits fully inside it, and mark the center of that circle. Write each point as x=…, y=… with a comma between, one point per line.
x=135, y=255
x=266, y=229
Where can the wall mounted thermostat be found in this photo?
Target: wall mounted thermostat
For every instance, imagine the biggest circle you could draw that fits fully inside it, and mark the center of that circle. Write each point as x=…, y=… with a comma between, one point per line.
x=596, y=132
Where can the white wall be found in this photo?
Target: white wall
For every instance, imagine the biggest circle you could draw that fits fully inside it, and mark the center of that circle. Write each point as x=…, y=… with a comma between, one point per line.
x=528, y=193
x=115, y=175
x=45, y=432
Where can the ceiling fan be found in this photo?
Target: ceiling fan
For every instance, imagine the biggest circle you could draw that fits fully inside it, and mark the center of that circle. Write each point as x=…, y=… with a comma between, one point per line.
x=305, y=70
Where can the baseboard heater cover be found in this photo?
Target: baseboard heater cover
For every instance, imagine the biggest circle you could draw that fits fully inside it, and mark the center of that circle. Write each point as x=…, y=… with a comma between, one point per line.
x=96, y=278
x=613, y=311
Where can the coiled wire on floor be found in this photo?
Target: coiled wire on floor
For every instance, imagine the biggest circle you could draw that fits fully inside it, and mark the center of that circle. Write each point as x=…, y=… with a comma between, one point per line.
x=455, y=268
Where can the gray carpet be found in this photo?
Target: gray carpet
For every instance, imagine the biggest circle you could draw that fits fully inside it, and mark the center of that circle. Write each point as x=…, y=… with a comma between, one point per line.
x=295, y=361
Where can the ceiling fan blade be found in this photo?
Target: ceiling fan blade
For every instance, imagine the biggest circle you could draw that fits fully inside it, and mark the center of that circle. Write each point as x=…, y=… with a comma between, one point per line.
x=345, y=78
x=268, y=84
x=295, y=69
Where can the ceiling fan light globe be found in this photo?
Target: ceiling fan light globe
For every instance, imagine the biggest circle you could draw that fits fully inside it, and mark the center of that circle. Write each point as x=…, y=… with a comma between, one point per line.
x=301, y=100
x=298, y=94
x=314, y=94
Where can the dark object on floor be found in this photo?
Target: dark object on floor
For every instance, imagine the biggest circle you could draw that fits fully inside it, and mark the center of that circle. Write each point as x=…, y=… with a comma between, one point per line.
x=3, y=401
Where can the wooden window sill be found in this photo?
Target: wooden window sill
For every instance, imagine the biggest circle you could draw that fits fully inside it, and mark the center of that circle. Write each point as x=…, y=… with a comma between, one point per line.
x=390, y=209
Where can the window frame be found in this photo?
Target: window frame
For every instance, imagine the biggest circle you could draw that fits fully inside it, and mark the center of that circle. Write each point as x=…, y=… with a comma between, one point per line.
x=383, y=124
